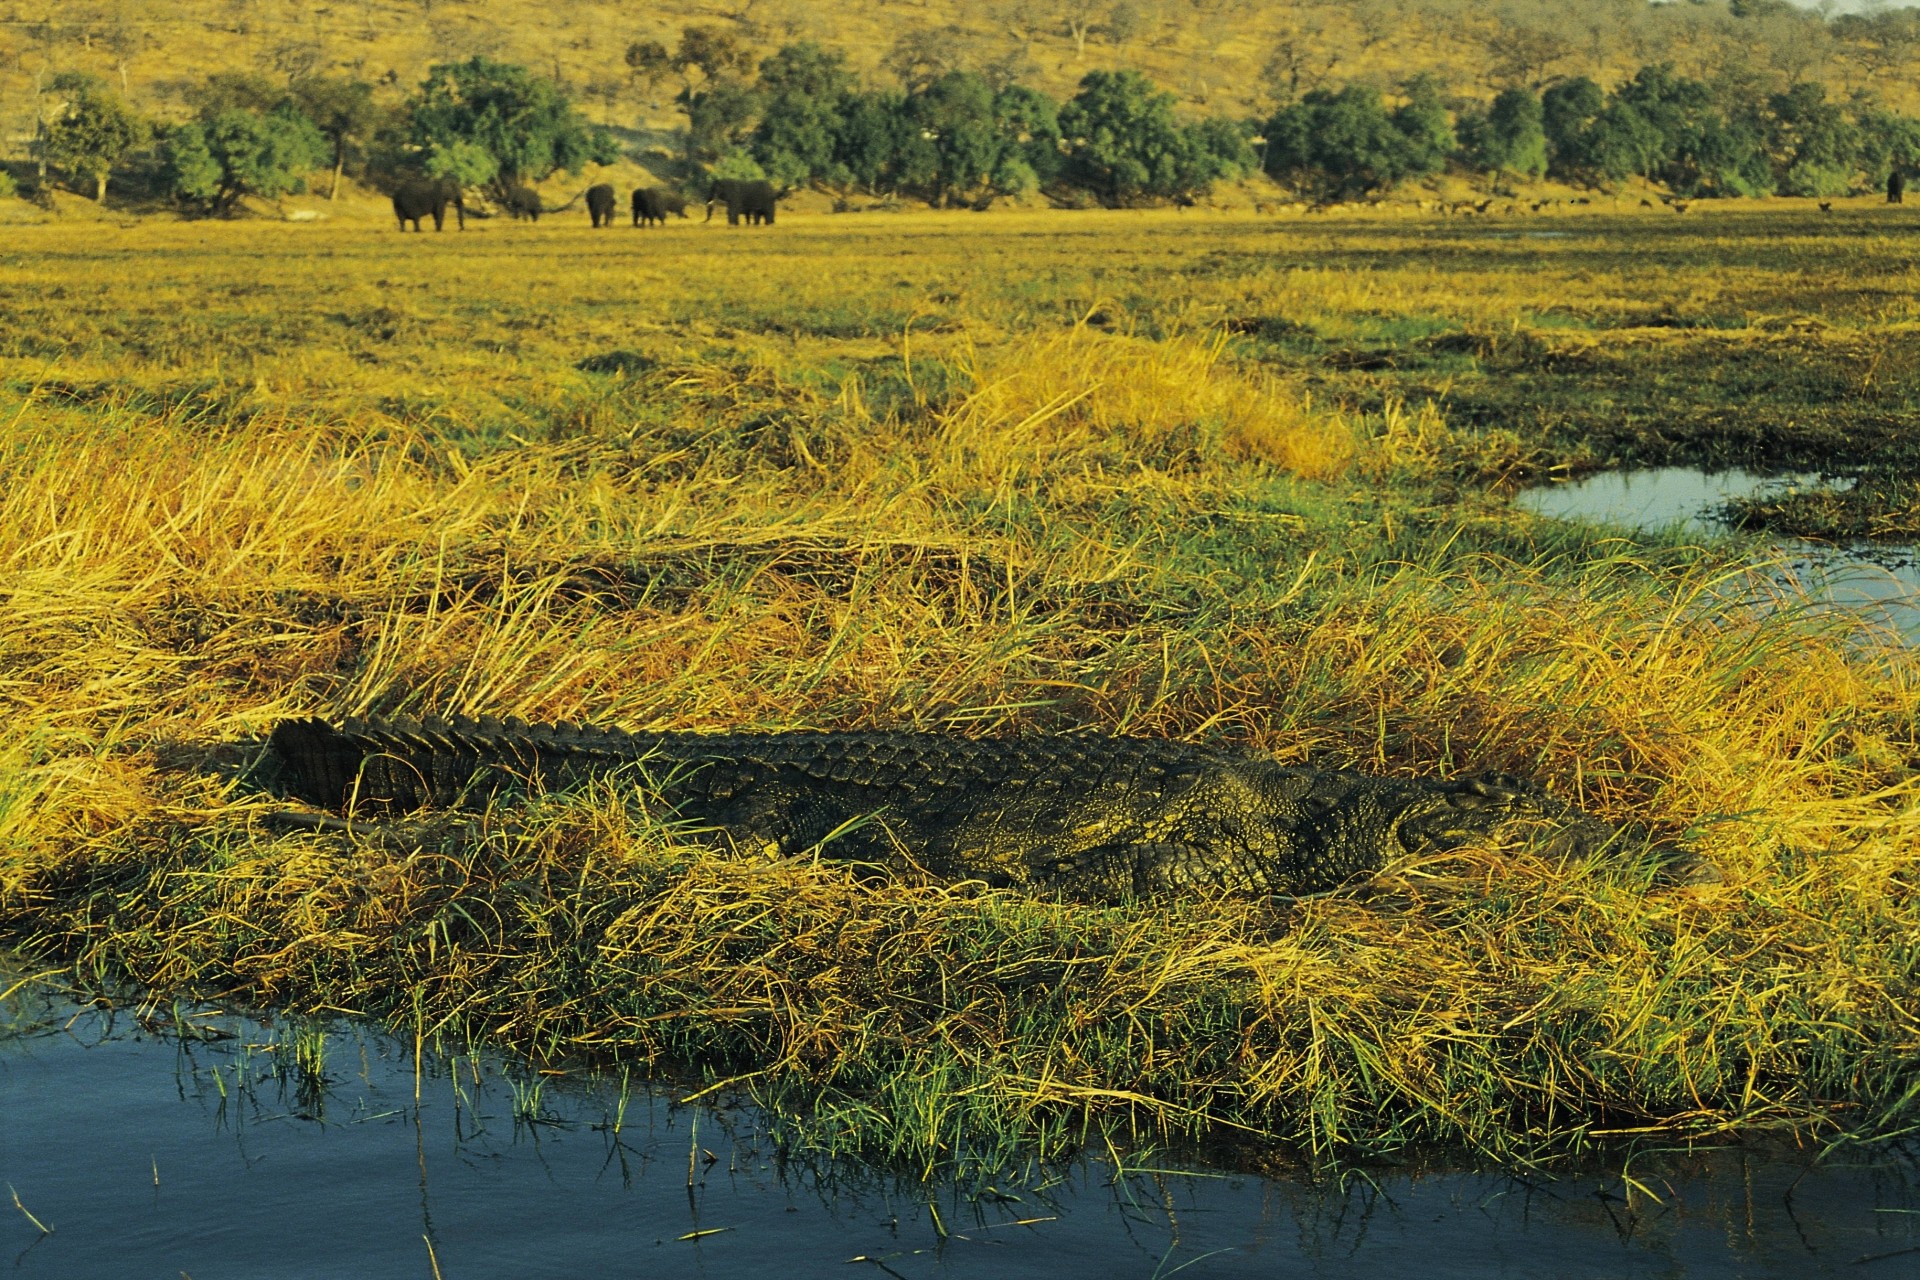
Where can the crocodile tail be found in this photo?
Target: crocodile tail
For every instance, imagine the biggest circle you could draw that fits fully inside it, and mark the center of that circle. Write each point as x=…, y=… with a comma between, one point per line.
x=404, y=763
x=378, y=764
x=321, y=765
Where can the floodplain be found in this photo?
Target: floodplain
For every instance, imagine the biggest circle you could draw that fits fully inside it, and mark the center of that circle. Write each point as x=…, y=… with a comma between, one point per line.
x=1243, y=480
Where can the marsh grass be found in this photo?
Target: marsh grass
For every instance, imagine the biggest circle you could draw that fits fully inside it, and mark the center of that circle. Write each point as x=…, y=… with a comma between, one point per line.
x=1012, y=521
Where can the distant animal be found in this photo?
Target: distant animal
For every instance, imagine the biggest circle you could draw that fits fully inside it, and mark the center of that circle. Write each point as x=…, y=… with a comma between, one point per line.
x=522, y=202
x=421, y=197
x=1681, y=206
x=1896, y=187
x=749, y=198
x=651, y=205
x=601, y=203
x=1826, y=206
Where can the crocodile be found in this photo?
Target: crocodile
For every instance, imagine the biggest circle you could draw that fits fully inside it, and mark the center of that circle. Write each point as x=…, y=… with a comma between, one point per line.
x=1085, y=817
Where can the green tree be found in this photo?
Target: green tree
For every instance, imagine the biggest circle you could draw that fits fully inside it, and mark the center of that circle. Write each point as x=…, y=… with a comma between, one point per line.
x=1679, y=134
x=1122, y=141
x=955, y=114
x=720, y=118
x=1423, y=120
x=737, y=164
x=468, y=164
x=344, y=112
x=1888, y=141
x=1347, y=143
x=803, y=88
x=238, y=152
x=1815, y=149
x=93, y=132
x=1569, y=113
x=1215, y=150
x=871, y=138
x=522, y=120
x=1029, y=124
x=1511, y=137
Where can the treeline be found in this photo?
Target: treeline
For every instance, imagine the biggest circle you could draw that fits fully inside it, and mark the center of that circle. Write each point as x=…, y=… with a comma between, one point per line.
x=956, y=137
x=1691, y=137
x=483, y=123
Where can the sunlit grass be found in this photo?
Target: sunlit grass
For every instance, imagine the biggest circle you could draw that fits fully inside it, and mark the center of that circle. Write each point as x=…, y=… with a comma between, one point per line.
x=1031, y=505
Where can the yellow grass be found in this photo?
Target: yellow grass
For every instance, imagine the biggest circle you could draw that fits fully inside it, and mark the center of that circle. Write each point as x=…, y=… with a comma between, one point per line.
x=852, y=474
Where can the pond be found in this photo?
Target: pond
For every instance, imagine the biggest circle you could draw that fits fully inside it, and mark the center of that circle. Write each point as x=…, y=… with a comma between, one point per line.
x=207, y=1144
x=1877, y=581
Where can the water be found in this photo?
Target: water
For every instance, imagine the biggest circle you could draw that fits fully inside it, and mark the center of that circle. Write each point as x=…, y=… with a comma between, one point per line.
x=153, y=1155
x=1877, y=581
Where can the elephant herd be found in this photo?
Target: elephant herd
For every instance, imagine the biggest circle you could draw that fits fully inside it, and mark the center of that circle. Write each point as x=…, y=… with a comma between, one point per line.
x=752, y=200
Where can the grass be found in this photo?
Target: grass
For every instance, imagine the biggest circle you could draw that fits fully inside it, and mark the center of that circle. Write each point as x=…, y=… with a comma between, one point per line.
x=862, y=474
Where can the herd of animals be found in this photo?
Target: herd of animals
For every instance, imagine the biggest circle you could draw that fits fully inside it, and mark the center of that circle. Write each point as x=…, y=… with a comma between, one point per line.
x=748, y=200
x=753, y=201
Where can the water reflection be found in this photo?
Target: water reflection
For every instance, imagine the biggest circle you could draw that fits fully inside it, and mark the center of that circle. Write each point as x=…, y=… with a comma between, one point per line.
x=214, y=1145
x=1878, y=582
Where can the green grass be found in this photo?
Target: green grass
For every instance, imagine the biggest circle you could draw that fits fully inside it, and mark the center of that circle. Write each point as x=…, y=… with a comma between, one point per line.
x=661, y=482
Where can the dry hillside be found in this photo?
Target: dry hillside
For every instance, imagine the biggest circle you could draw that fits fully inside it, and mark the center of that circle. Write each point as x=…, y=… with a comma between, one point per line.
x=1232, y=56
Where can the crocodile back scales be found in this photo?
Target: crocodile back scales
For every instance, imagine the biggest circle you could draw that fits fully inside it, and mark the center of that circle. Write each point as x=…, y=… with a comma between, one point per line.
x=1094, y=818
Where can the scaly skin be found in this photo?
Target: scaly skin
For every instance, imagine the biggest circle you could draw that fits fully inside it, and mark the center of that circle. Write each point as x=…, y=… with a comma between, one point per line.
x=1092, y=818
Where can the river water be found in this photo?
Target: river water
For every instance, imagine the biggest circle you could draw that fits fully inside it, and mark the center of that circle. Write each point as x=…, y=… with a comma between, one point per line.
x=1877, y=582
x=197, y=1145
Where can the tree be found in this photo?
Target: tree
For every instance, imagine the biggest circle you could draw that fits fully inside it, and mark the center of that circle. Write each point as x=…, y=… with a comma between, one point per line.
x=92, y=132
x=1121, y=137
x=648, y=60
x=522, y=120
x=1888, y=141
x=1568, y=112
x=1511, y=137
x=802, y=88
x=1346, y=143
x=1423, y=120
x=1815, y=149
x=1683, y=138
x=1029, y=125
x=955, y=115
x=720, y=118
x=713, y=51
x=343, y=110
x=870, y=138
x=238, y=152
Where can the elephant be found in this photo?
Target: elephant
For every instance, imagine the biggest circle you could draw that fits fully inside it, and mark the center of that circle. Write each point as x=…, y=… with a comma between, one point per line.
x=600, y=204
x=1896, y=187
x=522, y=202
x=752, y=198
x=652, y=205
x=419, y=197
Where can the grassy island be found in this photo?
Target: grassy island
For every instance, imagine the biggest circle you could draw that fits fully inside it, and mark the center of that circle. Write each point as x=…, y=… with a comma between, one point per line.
x=1233, y=479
